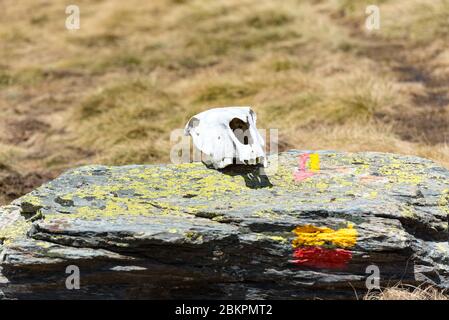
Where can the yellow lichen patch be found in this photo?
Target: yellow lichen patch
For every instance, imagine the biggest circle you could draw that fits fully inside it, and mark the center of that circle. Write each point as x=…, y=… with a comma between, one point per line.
x=284, y=177
x=14, y=231
x=362, y=169
x=361, y=165
x=408, y=212
x=43, y=244
x=341, y=181
x=310, y=235
x=284, y=180
x=189, y=165
x=114, y=207
x=32, y=200
x=219, y=219
x=98, y=192
x=444, y=201
x=398, y=172
x=442, y=247
x=266, y=214
x=195, y=179
x=194, y=236
x=278, y=239
x=371, y=195
x=191, y=234
x=213, y=185
x=322, y=185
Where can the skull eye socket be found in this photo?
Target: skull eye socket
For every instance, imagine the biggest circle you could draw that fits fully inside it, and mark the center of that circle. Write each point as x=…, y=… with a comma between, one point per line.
x=241, y=131
x=194, y=122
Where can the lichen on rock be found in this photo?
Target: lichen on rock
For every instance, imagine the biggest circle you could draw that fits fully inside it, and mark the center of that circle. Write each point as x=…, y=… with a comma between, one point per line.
x=230, y=233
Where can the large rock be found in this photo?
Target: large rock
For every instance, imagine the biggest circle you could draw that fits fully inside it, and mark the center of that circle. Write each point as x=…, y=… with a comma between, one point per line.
x=186, y=231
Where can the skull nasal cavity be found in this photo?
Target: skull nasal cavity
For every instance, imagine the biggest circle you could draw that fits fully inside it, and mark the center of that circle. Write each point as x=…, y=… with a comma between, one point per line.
x=241, y=130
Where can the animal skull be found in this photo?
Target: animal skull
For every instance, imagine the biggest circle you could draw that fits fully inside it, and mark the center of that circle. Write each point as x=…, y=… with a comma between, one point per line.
x=225, y=134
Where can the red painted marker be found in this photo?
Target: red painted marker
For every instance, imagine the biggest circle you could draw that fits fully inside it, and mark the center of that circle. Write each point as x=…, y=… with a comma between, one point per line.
x=318, y=257
x=302, y=173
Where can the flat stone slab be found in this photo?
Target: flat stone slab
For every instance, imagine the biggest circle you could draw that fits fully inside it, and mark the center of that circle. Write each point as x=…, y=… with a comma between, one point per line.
x=187, y=231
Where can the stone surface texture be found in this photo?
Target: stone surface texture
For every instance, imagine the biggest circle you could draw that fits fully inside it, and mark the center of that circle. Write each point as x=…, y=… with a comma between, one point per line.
x=187, y=231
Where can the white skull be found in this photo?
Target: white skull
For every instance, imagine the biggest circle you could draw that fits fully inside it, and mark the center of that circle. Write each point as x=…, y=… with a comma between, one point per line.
x=225, y=134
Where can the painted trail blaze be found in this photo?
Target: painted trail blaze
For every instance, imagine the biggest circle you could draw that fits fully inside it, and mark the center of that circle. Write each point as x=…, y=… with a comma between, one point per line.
x=317, y=236
x=322, y=247
x=314, y=164
x=318, y=257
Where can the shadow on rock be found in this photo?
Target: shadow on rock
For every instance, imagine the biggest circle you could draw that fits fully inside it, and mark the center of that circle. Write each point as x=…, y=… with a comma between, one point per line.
x=255, y=177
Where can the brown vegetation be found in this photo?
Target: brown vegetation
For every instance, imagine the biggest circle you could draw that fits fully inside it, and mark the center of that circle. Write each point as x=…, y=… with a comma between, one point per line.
x=112, y=91
x=407, y=292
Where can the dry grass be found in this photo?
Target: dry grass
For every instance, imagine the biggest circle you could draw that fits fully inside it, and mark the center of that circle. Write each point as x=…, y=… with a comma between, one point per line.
x=407, y=292
x=113, y=91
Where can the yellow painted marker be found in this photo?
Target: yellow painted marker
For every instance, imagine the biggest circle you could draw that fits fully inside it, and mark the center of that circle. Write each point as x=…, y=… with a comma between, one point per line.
x=310, y=235
x=314, y=162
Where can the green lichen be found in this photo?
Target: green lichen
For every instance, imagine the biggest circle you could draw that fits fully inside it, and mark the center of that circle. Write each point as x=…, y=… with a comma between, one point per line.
x=266, y=214
x=147, y=190
x=274, y=238
x=362, y=165
x=14, y=231
x=401, y=173
x=278, y=239
x=443, y=202
x=408, y=212
x=43, y=244
x=341, y=181
x=31, y=203
x=193, y=236
x=371, y=195
x=442, y=247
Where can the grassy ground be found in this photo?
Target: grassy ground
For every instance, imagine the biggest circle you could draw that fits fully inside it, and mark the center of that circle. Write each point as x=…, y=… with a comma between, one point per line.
x=406, y=292
x=112, y=91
